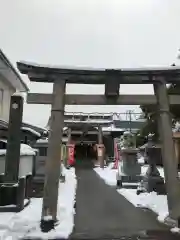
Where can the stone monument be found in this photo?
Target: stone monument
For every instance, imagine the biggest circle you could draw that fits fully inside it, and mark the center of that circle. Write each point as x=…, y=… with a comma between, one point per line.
x=129, y=169
x=13, y=188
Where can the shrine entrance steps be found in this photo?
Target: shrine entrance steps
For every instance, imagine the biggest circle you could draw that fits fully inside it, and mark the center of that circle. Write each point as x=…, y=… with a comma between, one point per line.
x=102, y=213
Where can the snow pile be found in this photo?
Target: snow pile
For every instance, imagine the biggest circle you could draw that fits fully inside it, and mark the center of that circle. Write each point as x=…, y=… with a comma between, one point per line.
x=108, y=174
x=145, y=167
x=157, y=203
x=175, y=230
x=27, y=223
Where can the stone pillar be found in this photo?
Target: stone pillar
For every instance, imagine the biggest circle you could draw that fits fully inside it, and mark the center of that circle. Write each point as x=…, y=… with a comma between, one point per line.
x=69, y=135
x=100, y=135
x=21, y=194
x=100, y=148
x=168, y=151
x=53, y=163
x=14, y=139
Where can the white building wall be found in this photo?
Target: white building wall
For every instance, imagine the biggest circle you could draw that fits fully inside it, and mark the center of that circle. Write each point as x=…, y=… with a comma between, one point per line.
x=6, y=92
x=25, y=165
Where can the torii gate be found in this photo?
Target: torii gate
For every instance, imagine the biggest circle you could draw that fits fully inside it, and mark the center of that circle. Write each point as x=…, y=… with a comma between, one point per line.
x=112, y=80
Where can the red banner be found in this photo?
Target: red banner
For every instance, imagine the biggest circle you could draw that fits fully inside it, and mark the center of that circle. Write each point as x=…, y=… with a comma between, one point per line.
x=116, y=155
x=71, y=159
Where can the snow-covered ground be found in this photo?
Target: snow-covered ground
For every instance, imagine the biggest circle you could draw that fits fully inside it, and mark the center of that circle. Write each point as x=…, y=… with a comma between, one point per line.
x=27, y=223
x=157, y=203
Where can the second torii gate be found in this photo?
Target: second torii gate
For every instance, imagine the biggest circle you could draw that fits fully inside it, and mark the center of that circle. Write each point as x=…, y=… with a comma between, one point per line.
x=112, y=79
x=85, y=124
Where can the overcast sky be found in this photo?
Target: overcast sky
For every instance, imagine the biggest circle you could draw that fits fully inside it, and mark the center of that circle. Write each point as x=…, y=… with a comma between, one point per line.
x=92, y=33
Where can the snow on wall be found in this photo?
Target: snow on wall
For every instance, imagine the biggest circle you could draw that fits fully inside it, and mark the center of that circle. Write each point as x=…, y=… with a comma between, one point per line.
x=25, y=150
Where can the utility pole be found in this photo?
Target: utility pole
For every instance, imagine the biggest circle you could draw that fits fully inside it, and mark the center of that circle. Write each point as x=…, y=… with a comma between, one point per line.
x=129, y=118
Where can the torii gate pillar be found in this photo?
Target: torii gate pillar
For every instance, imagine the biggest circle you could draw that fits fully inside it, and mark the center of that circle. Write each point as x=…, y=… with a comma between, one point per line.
x=168, y=150
x=53, y=166
x=100, y=148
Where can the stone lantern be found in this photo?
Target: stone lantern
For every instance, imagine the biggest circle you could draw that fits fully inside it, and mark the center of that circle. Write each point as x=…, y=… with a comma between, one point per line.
x=152, y=181
x=130, y=170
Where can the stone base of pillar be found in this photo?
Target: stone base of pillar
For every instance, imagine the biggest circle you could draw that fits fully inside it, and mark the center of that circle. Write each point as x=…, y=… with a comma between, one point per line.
x=28, y=189
x=47, y=225
x=154, y=183
x=131, y=178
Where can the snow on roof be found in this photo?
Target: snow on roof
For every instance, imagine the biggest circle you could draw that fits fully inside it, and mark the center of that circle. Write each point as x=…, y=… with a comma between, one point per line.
x=31, y=130
x=102, y=121
x=90, y=114
x=25, y=150
x=19, y=94
x=45, y=140
x=24, y=66
x=35, y=127
x=11, y=74
x=111, y=128
x=42, y=140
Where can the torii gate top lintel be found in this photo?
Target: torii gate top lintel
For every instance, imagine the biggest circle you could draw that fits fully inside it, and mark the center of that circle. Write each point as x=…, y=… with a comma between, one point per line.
x=45, y=73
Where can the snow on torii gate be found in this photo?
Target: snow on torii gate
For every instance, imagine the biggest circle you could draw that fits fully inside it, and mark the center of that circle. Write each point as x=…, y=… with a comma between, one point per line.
x=112, y=80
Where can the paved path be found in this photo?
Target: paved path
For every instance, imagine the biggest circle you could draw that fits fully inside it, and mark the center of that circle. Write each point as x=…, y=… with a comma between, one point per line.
x=102, y=213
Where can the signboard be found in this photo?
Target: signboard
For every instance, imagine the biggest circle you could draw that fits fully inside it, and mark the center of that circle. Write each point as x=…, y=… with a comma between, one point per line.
x=100, y=152
x=116, y=154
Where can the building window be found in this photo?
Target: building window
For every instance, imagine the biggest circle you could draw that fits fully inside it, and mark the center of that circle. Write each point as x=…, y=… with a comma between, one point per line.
x=42, y=151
